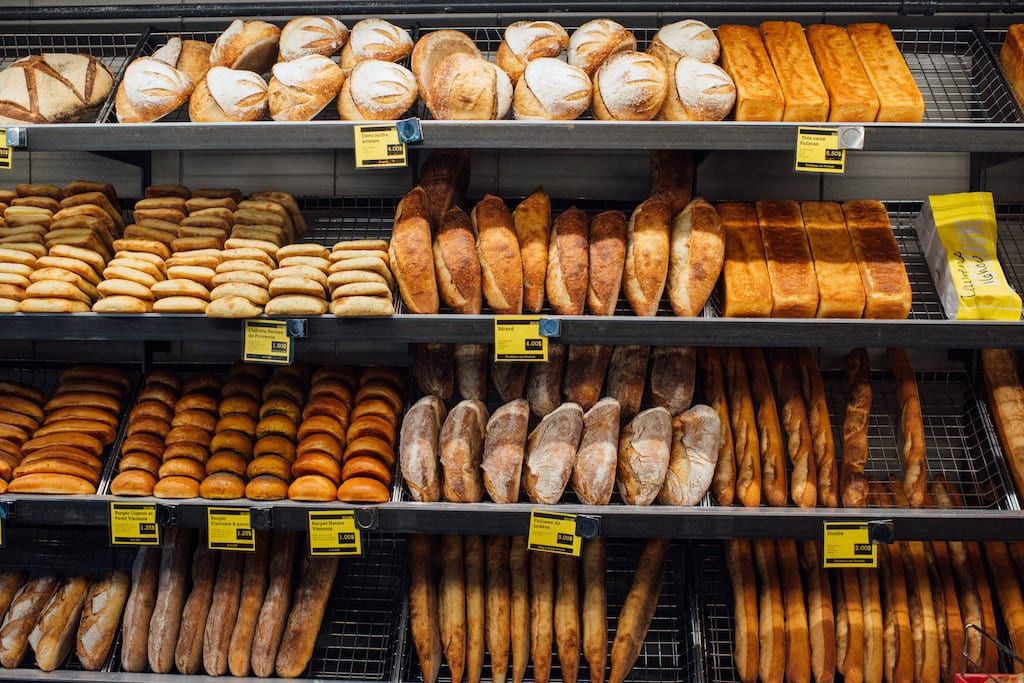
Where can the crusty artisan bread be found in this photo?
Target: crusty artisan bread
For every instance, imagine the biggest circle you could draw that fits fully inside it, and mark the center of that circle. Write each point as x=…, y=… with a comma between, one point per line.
x=500, y=261
x=504, y=449
x=551, y=453
x=671, y=174
x=567, y=275
x=758, y=94
x=532, y=221
x=697, y=256
x=584, y=373
x=457, y=262
x=645, y=444
x=647, y=255
x=851, y=95
x=607, y=260
x=626, y=377
x=1011, y=59
x=748, y=292
x=788, y=256
x=1006, y=401
x=410, y=254
x=460, y=451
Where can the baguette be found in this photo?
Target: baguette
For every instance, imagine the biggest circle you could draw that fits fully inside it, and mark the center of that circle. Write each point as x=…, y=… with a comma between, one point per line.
x=165, y=623
x=567, y=622
x=874, y=658
x=849, y=626
x=740, y=562
x=1006, y=401
x=948, y=622
x=500, y=260
x=542, y=604
x=423, y=605
x=316, y=578
x=139, y=609
x=884, y=277
x=568, y=262
x=475, y=607
x=499, y=606
x=227, y=591
x=520, y=572
x=532, y=221
x=771, y=628
x=797, y=428
x=627, y=371
x=896, y=633
x=21, y=618
x=1010, y=601
x=100, y=618
x=504, y=449
x=853, y=485
x=915, y=473
x=188, y=653
x=595, y=608
x=899, y=98
x=647, y=255
x=638, y=609
x=254, y=585
x=747, y=287
x=1011, y=59
x=820, y=426
x=820, y=618
x=969, y=599
x=798, y=650
x=274, y=611
x=723, y=484
x=452, y=606
x=53, y=635
x=607, y=261
x=788, y=257
x=744, y=430
x=773, y=459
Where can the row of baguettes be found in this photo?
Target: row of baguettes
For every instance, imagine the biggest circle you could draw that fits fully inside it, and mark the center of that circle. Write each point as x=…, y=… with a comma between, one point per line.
x=789, y=259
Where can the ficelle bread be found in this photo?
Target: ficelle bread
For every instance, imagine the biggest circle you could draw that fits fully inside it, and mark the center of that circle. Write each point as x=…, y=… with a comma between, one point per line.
x=525, y=41
x=551, y=89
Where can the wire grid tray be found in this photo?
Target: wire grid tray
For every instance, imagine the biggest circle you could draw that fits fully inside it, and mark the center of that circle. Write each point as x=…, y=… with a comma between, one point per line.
x=960, y=442
x=668, y=654
x=64, y=552
x=114, y=49
x=339, y=219
x=712, y=610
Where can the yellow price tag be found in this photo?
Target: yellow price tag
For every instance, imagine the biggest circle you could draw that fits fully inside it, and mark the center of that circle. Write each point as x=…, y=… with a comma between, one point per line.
x=334, y=532
x=133, y=524
x=6, y=153
x=230, y=529
x=817, y=151
x=378, y=146
x=554, y=532
x=848, y=545
x=267, y=341
x=517, y=338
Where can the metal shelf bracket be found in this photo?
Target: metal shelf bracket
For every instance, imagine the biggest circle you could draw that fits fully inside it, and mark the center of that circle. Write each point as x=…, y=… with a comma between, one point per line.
x=16, y=137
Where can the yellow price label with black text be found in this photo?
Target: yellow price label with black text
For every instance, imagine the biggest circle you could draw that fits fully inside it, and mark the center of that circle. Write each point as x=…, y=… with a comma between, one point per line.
x=267, y=341
x=230, y=529
x=848, y=545
x=378, y=146
x=334, y=532
x=517, y=338
x=818, y=151
x=133, y=524
x=554, y=532
x=6, y=153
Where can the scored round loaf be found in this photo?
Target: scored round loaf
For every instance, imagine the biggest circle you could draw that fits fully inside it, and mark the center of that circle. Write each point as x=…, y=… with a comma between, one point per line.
x=228, y=95
x=176, y=487
x=266, y=487
x=363, y=490
x=246, y=45
x=311, y=36
x=375, y=39
x=697, y=92
x=431, y=49
x=595, y=41
x=526, y=41
x=629, y=86
x=150, y=90
x=301, y=88
x=313, y=488
x=687, y=38
x=377, y=91
x=464, y=87
x=550, y=89
x=222, y=486
x=192, y=57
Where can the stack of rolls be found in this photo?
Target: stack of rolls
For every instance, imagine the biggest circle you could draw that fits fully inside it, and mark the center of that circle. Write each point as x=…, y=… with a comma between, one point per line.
x=360, y=279
x=241, y=283
x=16, y=266
x=269, y=470
x=65, y=454
x=149, y=423
x=21, y=412
x=298, y=286
x=187, y=446
x=369, y=457
x=233, y=434
x=321, y=435
x=128, y=280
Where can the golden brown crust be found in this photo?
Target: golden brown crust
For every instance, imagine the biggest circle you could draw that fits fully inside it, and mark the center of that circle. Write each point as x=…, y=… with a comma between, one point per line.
x=1006, y=401
x=853, y=485
x=788, y=257
x=758, y=94
x=410, y=254
x=607, y=261
x=568, y=268
x=899, y=97
x=802, y=89
x=740, y=562
x=797, y=428
x=820, y=426
x=773, y=465
x=748, y=292
x=915, y=472
x=647, y=255
x=532, y=221
x=841, y=293
x=886, y=285
x=500, y=260
x=457, y=262
x=744, y=429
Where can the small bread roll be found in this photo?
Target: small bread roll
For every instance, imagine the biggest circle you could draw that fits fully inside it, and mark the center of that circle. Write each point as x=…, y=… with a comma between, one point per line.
x=311, y=36
x=246, y=46
x=697, y=92
x=228, y=95
x=377, y=91
x=550, y=89
x=192, y=57
x=629, y=86
x=526, y=41
x=464, y=87
x=301, y=88
x=687, y=38
x=375, y=39
x=150, y=91
x=596, y=41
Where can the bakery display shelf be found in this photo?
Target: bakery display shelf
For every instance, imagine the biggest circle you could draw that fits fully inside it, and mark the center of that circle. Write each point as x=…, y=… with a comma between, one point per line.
x=670, y=653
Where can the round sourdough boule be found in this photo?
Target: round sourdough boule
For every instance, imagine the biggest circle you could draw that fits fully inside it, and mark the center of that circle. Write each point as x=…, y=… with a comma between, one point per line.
x=176, y=487
x=274, y=444
x=244, y=405
x=276, y=424
x=363, y=490
x=372, y=425
x=266, y=487
x=318, y=424
x=320, y=443
x=372, y=446
x=550, y=89
x=226, y=461
x=595, y=41
x=237, y=422
x=232, y=442
x=222, y=486
x=139, y=461
x=194, y=418
x=273, y=465
x=377, y=91
x=313, y=488
x=183, y=467
x=526, y=41
x=317, y=463
x=133, y=483
x=697, y=92
x=180, y=304
x=192, y=451
x=245, y=277
x=375, y=39
x=629, y=86
x=365, y=466
x=233, y=307
x=687, y=38
x=256, y=295
x=122, y=305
